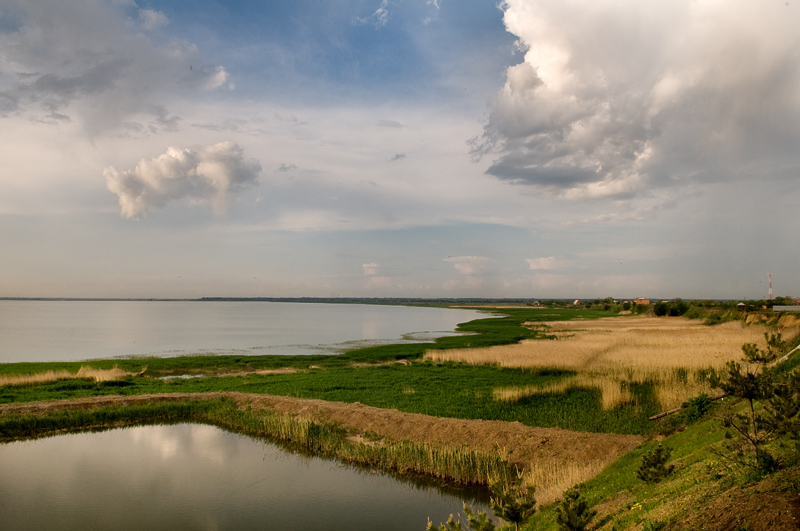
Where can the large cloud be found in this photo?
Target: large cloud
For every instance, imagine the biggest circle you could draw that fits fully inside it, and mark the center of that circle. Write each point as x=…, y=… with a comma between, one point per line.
x=614, y=98
x=208, y=174
x=105, y=64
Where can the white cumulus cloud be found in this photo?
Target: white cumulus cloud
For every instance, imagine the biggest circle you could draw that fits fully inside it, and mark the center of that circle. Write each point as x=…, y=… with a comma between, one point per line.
x=615, y=98
x=470, y=265
x=548, y=262
x=371, y=269
x=152, y=20
x=207, y=174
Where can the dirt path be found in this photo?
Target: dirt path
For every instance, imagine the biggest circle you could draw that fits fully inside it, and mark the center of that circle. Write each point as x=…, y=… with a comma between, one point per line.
x=90, y=402
x=525, y=444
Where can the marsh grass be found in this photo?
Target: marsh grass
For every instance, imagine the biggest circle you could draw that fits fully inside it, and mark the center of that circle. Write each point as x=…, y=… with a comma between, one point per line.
x=673, y=355
x=15, y=426
x=672, y=386
x=440, y=389
x=92, y=373
x=553, y=477
x=453, y=464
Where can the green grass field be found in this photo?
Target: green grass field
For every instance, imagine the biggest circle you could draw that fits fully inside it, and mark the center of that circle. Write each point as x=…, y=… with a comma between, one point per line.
x=448, y=390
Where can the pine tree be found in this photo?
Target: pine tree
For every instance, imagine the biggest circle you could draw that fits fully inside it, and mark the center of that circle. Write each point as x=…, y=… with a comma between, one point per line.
x=474, y=523
x=758, y=382
x=574, y=513
x=653, y=467
x=510, y=501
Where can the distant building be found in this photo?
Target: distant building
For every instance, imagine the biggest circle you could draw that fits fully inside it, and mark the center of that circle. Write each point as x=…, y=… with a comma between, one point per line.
x=642, y=301
x=577, y=302
x=741, y=307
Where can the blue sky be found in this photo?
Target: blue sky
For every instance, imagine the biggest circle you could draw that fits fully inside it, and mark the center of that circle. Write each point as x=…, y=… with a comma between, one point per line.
x=428, y=148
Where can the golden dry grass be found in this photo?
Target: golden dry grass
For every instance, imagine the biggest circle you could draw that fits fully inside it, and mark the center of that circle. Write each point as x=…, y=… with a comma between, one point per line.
x=673, y=354
x=99, y=375
x=553, y=477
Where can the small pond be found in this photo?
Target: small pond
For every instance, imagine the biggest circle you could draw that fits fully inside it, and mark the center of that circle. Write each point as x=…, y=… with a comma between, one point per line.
x=194, y=476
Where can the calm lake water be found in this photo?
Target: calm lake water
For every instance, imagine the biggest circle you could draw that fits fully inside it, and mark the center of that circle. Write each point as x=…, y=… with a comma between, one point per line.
x=193, y=476
x=79, y=330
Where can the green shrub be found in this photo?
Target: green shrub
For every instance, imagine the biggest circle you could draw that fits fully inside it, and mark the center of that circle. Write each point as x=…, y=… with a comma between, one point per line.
x=653, y=467
x=654, y=525
x=696, y=408
x=574, y=513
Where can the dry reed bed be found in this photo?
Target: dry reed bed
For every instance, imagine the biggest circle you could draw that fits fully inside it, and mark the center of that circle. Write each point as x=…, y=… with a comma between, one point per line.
x=553, y=459
x=99, y=375
x=609, y=354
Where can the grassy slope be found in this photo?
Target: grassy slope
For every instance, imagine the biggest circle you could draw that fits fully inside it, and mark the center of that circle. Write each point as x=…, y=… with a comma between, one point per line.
x=704, y=493
x=625, y=501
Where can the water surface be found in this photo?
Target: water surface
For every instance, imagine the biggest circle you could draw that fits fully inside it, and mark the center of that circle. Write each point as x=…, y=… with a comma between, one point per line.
x=193, y=476
x=78, y=330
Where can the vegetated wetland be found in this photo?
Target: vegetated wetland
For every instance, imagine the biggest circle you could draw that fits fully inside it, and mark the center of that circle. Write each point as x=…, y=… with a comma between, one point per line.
x=403, y=386
x=674, y=355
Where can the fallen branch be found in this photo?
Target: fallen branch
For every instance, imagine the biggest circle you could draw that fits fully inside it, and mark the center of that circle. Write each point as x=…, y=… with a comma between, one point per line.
x=671, y=411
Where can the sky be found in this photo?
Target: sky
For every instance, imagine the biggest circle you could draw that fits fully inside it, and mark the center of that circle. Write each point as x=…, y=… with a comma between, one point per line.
x=399, y=148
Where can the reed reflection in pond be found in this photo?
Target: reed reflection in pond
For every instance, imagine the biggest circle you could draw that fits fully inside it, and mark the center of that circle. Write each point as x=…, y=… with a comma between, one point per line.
x=193, y=476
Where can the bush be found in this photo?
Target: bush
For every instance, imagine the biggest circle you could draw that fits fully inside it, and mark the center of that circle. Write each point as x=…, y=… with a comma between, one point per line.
x=654, y=525
x=696, y=408
x=574, y=513
x=653, y=467
x=695, y=312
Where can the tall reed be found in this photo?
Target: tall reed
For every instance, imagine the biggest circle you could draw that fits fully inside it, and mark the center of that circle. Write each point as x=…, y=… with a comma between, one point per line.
x=98, y=375
x=671, y=385
x=552, y=477
x=672, y=355
x=458, y=464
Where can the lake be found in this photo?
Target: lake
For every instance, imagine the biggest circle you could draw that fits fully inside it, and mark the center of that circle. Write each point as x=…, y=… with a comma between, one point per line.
x=194, y=476
x=79, y=330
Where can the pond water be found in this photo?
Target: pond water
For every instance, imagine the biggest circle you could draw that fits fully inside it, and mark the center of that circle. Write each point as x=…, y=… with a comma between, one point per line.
x=194, y=476
x=79, y=330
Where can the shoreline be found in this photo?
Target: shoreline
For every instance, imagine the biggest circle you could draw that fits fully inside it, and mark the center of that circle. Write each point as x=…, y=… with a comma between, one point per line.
x=528, y=448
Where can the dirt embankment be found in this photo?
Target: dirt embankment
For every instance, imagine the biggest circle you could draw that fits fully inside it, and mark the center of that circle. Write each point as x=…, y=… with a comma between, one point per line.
x=525, y=444
x=764, y=506
x=557, y=449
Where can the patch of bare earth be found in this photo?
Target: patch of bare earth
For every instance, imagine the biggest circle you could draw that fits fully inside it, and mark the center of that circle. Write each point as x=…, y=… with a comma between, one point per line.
x=764, y=506
x=555, y=458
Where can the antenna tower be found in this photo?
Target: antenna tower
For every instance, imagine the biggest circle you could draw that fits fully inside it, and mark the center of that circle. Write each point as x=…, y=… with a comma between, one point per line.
x=770, y=286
